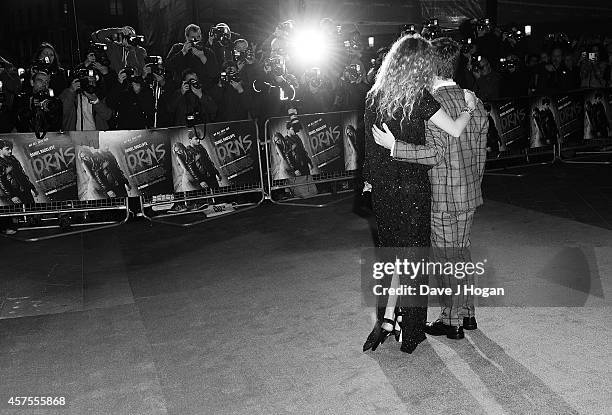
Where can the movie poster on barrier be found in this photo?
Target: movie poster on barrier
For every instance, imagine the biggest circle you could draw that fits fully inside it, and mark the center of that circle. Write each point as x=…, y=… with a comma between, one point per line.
x=597, y=114
x=544, y=130
x=37, y=171
x=317, y=147
x=125, y=163
x=215, y=156
x=570, y=117
x=508, y=126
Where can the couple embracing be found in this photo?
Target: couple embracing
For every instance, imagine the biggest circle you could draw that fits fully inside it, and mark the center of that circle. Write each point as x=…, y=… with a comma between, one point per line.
x=425, y=155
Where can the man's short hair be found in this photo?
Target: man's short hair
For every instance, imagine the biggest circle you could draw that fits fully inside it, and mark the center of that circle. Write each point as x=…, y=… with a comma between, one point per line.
x=187, y=72
x=446, y=56
x=6, y=144
x=191, y=28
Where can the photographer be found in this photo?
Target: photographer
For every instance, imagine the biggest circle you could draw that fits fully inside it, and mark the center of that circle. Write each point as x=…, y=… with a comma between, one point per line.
x=46, y=59
x=375, y=65
x=274, y=88
x=195, y=55
x=38, y=111
x=233, y=101
x=514, y=78
x=97, y=60
x=127, y=50
x=220, y=41
x=486, y=82
x=9, y=87
x=315, y=92
x=351, y=91
x=190, y=99
x=83, y=109
x=594, y=69
x=555, y=76
x=132, y=100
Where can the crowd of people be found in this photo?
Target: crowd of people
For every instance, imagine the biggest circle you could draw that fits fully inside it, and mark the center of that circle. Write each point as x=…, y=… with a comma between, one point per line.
x=223, y=77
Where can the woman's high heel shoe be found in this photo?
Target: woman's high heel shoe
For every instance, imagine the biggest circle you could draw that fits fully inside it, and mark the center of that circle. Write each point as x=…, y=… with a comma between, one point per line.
x=378, y=335
x=412, y=324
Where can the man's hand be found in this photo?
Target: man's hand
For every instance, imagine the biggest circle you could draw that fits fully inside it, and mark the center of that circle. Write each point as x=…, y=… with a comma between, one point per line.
x=203, y=185
x=121, y=76
x=146, y=71
x=160, y=79
x=367, y=187
x=75, y=85
x=16, y=200
x=110, y=193
x=470, y=99
x=187, y=46
x=184, y=87
x=237, y=86
x=103, y=69
x=197, y=91
x=383, y=138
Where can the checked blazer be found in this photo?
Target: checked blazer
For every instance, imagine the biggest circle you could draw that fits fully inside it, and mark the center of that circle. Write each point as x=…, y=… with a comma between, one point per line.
x=457, y=163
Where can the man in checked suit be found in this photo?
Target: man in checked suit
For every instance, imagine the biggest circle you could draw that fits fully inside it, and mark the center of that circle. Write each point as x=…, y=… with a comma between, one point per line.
x=456, y=177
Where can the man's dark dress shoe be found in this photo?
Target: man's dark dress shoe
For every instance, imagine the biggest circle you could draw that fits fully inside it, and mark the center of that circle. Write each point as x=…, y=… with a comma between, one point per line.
x=469, y=323
x=438, y=328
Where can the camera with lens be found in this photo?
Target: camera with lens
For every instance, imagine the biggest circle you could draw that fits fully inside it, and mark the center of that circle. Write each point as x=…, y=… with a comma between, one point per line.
x=408, y=29
x=83, y=75
x=276, y=65
x=508, y=64
x=228, y=76
x=43, y=101
x=135, y=40
x=352, y=41
x=431, y=29
x=466, y=45
x=221, y=34
x=129, y=74
x=99, y=50
x=476, y=63
x=155, y=63
x=513, y=33
x=352, y=73
x=192, y=119
x=194, y=83
x=241, y=57
x=482, y=25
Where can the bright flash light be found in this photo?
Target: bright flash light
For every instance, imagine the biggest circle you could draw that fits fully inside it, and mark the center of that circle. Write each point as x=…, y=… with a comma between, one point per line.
x=309, y=46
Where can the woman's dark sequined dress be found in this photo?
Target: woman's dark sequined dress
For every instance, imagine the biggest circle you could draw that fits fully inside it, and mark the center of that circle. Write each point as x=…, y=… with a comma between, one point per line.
x=401, y=198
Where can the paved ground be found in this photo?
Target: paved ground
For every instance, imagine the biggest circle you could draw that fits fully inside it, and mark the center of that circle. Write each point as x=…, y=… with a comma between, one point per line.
x=261, y=314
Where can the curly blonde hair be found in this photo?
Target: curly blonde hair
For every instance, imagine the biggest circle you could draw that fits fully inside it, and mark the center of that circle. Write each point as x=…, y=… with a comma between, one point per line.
x=406, y=70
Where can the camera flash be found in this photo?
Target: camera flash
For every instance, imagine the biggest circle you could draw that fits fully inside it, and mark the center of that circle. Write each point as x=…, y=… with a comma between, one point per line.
x=528, y=30
x=51, y=93
x=469, y=40
x=371, y=41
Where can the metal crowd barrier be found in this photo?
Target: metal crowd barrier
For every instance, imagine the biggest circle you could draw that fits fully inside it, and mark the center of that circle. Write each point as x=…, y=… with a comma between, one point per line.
x=332, y=178
x=63, y=215
x=205, y=202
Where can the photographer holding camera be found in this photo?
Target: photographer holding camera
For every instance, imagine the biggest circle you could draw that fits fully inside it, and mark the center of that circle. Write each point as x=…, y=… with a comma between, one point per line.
x=195, y=55
x=46, y=59
x=233, y=101
x=127, y=50
x=274, y=88
x=38, y=111
x=220, y=41
x=594, y=69
x=132, y=101
x=83, y=107
x=315, y=92
x=351, y=91
x=486, y=82
x=190, y=99
x=10, y=84
x=555, y=76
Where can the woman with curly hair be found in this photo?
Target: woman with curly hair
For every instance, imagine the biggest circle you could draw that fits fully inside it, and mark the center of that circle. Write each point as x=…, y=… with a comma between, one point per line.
x=401, y=192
